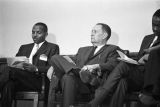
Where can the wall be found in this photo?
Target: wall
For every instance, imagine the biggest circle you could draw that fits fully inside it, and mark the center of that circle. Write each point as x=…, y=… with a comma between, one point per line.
x=70, y=22
x=1, y=38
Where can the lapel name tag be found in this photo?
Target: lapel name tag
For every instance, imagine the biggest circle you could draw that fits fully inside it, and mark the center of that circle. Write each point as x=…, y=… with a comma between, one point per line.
x=43, y=57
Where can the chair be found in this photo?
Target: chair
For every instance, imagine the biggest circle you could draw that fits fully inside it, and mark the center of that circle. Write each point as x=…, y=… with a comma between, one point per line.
x=31, y=95
x=3, y=64
x=34, y=95
x=81, y=99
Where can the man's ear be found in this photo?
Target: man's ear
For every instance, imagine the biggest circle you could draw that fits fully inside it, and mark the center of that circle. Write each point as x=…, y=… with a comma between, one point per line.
x=46, y=35
x=105, y=35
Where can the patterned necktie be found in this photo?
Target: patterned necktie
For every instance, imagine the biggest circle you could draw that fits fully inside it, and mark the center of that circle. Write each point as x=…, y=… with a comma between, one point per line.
x=92, y=52
x=34, y=50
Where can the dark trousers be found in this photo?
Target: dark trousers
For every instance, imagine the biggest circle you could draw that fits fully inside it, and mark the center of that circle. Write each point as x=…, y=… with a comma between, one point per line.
x=62, y=71
x=152, y=75
x=115, y=82
x=73, y=87
x=123, y=78
x=19, y=80
x=4, y=75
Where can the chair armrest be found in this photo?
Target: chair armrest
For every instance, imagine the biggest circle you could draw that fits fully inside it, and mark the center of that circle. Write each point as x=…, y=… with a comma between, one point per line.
x=71, y=56
x=133, y=55
x=3, y=60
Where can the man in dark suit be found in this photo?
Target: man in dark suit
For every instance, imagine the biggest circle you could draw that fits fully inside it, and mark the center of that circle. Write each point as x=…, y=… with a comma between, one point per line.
x=128, y=77
x=98, y=63
x=28, y=78
x=151, y=90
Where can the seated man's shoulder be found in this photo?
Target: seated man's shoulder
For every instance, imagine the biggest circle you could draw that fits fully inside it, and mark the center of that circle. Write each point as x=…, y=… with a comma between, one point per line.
x=85, y=47
x=150, y=35
x=52, y=44
x=26, y=45
x=114, y=47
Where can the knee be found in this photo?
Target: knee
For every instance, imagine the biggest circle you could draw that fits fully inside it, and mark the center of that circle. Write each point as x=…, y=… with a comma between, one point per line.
x=55, y=57
x=122, y=69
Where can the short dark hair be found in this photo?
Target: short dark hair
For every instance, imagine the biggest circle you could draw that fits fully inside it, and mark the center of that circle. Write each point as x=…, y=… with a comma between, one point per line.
x=157, y=13
x=45, y=28
x=106, y=28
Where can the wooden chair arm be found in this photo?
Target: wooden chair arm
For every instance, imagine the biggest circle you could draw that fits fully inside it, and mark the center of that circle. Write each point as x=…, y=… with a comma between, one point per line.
x=3, y=60
x=133, y=54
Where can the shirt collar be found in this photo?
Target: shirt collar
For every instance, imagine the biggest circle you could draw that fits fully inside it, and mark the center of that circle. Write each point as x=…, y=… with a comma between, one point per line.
x=40, y=44
x=100, y=46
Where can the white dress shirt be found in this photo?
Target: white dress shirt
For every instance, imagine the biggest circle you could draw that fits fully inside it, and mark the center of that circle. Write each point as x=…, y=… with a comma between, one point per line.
x=155, y=38
x=97, y=49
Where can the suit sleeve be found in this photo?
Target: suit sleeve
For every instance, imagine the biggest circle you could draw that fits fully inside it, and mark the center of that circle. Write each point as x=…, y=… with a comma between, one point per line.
x=142, y=47
x=54, y=51
x=19, y=51
x=111, y=61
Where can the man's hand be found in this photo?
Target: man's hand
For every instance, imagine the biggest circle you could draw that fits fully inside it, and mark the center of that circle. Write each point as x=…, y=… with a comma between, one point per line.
x=143, y=59
x=29, y=67
x=95, y=68
x=89, y=74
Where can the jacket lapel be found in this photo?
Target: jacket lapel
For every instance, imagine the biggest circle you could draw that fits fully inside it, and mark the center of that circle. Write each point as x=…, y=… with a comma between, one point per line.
x=88, y=51
x=39, y=52
x=98, y=52
x=29, y=50
x=42, y=48
x=150, y=40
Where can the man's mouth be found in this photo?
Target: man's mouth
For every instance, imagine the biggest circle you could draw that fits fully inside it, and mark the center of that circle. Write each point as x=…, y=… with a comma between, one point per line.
x=34, y=39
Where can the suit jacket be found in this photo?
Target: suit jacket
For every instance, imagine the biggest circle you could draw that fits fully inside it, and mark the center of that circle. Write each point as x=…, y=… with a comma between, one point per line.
x=106, y=57
x=152, y=74
x=49, y=49
x=147, y=40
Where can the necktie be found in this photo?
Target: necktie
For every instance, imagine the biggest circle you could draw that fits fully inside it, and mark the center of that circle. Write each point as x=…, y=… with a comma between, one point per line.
x=156, y=42
x=34, y=50
x=92, y=52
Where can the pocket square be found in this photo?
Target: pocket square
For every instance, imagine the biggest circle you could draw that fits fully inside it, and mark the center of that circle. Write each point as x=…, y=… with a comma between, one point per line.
x=43, y=57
